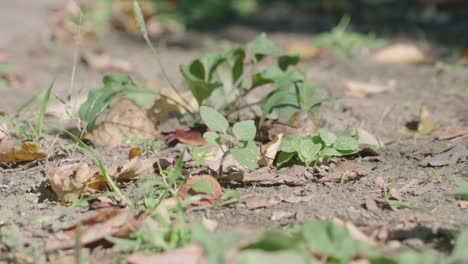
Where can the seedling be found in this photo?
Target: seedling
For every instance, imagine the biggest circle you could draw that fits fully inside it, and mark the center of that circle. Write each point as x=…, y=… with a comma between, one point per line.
x=240, y=144
x=147, y=147
x=345, y=41
x=315, y=150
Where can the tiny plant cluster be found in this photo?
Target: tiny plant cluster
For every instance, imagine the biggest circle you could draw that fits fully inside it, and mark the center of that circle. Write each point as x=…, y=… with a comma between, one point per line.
x=241, y=145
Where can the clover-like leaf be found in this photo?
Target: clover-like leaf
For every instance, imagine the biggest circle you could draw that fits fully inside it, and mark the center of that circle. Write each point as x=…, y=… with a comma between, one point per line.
x=244, y=130
x=212, y=138
x=327, y=136
x=248, y=155
x=213, y=119
x=346, y=144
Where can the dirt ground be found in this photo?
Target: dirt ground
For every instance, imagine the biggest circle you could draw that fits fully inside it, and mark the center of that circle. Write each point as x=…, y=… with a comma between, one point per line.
x=25, y=196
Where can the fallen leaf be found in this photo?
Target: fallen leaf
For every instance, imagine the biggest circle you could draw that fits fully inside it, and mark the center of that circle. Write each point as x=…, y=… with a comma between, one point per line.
x=69, y=181
x=299, y=199
x=379, y=181
x=450, y=157
x=423, y=126
x=366, y=138
x=363, y=89
x=260, y=201
x=344, y=171
x=214, y=189
x=306, y=51
x=108, y=222
x=463, y=204
x=13, y=78
x=104, y=62
x=132, y=169
x=169, y=104
x=279, y=215
x=395, y=194
x=124, y=120
x=400, y=54
x=134, y=152
x=189, y=254
x=271, y=129
x=464, y=58
x=192, y=137
x=27, y=154
x=453, y=133
x=295, y=175
x=354, y=232
x=269, y=151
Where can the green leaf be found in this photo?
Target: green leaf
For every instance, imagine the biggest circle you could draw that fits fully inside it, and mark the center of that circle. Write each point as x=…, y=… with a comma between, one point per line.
x=200, y=89
x=212, y=138
x=326, y=238
x=462, y=191
x=45, y=101
x=308, y=150
x=203, y=187
x=255, y=256
x=290, y=143
x=262, y=46
x=273, y=99
x=327, y=136
x=228, y=138
x=213, y=119
x=139, y=17
x=329, y=152
x=231, y=195
x=346, y=144
x=244, y=130
x=459, y=253
x=283, y=158
x=248, y=155
x=98, y=100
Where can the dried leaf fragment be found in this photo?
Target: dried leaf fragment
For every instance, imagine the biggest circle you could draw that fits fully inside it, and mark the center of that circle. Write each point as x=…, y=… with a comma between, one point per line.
x=269, y=151
x=453, y=133
x=400, y=54
x=108, y=222
x=26, y=154
x=363, y=89
x=204, y=185
x=124, y=120
x=260, y=201
x=104, y=62
x=69, y=181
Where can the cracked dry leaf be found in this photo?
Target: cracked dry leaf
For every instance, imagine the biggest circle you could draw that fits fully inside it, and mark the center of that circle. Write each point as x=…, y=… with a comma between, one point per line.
x=69, y=181
x=423, y=126
x=108, y=222
x=124, y=120
x=26, y=154
x=201, y=184
x=104, y=62
x=343, y=171
x=269, y=150
x=132, y=169
x=400, y=54
x=363, y=89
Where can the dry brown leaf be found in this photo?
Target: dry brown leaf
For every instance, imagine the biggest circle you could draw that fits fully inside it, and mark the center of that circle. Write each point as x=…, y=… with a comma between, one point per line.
x=104, y=62
x=193, y=137
x=133, y=153
x=169, y=102
x=450, y=157
x=271, y=129
x=343, y=171
x=280, y=214
x=295, y=175
x=69, y=181
x=27, y=154
x=186, y=190
x=132, y=169
x=306, y=51
x=269, y=150
x=453, y=133
x=124, y=120
x=463, y=204
x=108, y=222
x=354, y=231
x=190, y=254
x=260, y=201
x=299, y=199
x=400, y=54
x=363, y=89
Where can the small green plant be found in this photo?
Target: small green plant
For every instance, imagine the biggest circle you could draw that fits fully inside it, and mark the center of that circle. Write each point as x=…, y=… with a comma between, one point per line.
x=462, y=191
x=346, y=42
x=241, y=145
x=98, y=100
x=147, y=147
x=315, y=150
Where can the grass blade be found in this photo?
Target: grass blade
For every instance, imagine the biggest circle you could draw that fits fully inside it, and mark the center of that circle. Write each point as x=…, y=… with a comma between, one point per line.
x=45, y=101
